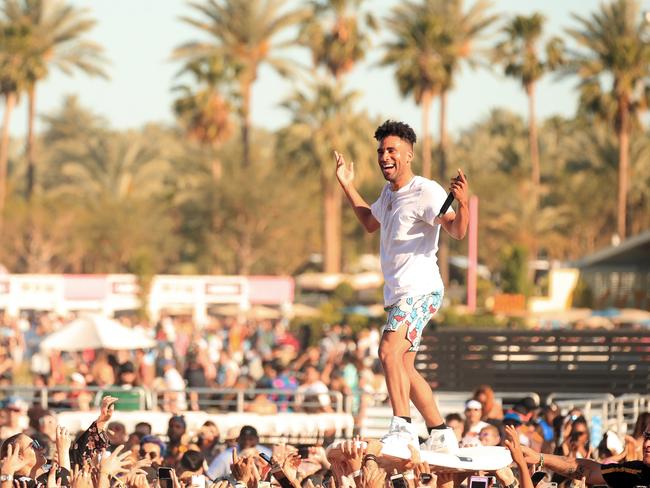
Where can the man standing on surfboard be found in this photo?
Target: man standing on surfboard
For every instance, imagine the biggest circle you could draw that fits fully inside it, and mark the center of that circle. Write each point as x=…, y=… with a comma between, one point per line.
x=407, y=212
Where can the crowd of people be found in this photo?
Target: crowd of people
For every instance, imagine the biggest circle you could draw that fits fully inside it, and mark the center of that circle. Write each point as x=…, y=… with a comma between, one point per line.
x=230, y=354
x=546, y=447
x=227, y=354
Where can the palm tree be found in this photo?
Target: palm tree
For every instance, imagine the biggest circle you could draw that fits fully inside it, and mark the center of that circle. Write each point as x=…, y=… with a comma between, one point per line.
x=242, y=33
x=335, y=36
x=111, y=168
x=518, y=54
x=455, y=41
x=418, y=66
x=56, y=40
x=614, y=49
x=317, y=117
x=204, y=112
x=337, y=40
x=13, y=44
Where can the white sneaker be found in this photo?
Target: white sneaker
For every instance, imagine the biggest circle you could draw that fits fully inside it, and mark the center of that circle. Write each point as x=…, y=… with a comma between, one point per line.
x=400, y=434
x=441, y=440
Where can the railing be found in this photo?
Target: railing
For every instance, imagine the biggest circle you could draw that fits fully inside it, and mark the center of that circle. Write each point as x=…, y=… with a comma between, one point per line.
x=62, y=398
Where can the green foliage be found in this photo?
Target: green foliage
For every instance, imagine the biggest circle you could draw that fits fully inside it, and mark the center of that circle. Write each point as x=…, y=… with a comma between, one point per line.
x=344, y=293
x=451, y=318
x=514, y=270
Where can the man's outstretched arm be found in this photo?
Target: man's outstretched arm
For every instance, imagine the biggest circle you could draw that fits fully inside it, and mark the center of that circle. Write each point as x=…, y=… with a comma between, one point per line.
x=361, y=208
x=569, y=467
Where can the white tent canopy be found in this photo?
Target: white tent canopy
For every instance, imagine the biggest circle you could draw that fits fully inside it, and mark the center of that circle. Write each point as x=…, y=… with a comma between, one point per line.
x=94, y=331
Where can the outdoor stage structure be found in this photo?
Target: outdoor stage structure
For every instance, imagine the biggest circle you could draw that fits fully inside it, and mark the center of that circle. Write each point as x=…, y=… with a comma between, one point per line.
x=113, y=294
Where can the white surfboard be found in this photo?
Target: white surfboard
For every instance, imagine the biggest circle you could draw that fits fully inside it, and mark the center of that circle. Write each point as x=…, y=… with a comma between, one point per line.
x=484, y=458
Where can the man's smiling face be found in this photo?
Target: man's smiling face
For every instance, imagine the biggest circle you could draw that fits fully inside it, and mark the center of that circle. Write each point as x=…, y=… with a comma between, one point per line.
x=394, y=158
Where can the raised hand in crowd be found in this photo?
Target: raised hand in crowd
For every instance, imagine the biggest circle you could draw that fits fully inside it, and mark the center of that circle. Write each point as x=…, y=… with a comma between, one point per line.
x=81, y=477
x=424, y=477
x=110, y=466
x=282, y=476
x=514, y=446
x=245, y=470
x=372, y=476
x=138, y=481
x=52, y=481
x=63, y=442
x=12, y=462
x=106, y=411
x=354, y=450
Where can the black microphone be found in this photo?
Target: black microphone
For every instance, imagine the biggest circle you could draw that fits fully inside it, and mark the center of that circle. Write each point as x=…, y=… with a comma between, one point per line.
x=450, y=198
x=445, y=206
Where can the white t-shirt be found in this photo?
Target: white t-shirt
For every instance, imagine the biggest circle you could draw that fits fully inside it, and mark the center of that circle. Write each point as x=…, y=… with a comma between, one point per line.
x=409, y=238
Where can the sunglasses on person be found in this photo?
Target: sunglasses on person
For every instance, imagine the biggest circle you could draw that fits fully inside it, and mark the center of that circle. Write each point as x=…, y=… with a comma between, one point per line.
x=646, y=436
x=36, y=445
x=150, y=454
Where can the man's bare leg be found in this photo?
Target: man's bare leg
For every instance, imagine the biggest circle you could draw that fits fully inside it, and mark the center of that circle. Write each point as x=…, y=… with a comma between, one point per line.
x=421, y=394
x=392, y=348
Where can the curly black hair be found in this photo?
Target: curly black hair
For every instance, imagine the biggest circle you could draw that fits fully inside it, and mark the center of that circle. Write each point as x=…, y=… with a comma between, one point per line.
x=394, y=128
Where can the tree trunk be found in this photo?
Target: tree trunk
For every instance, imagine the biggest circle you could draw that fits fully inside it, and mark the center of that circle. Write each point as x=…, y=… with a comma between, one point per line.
x=623, y=134
x=10, y=103
x=443, y=243
x=246, y=123
x=535, y=172
x=331, y=225
x=532, y=140
x=29, y=148
x=427, y=99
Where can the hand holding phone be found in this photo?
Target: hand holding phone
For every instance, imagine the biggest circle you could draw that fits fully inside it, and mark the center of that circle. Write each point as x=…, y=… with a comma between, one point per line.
x=398, y=481
x=165, y=477
x=478, y=482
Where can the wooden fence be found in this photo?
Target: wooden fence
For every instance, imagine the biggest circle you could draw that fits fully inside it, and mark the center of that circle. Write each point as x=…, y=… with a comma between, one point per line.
x=594, y=361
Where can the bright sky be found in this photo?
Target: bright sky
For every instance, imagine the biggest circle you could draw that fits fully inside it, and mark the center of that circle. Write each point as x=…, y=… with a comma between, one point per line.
x=139, y=36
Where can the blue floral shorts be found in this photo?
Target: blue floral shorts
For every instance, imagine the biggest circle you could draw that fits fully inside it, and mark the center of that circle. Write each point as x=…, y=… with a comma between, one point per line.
x=414, y=313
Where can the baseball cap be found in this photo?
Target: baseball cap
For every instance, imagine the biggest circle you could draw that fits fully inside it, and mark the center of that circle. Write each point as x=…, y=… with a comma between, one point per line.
x=248, y=430
x=473, y=405
x=512, y=418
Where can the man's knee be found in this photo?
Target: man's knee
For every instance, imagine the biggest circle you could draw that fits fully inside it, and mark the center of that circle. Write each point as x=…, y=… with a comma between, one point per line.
x=390, y=351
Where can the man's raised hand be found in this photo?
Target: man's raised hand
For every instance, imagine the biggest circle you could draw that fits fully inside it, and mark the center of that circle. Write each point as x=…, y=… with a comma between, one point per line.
x=344, y=174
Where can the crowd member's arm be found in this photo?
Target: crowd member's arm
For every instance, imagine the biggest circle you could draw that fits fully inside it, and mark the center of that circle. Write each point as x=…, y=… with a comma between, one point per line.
x=569, y=467
x=94, y=440
x=455, y=223
x=345, y=175
x=513, y=445
x=63, y=442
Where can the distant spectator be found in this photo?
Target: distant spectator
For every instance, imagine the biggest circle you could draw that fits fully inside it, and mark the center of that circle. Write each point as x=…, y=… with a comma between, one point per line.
x=473, y=423
x=313, y=394
x=208, y=440
x=194, y=376
x=248, y=438
x=192, y=463
x=490, y=435
x=153, y=448
x=117, y=434
x=490, y=408
x=455, y=422
x=14, y=410
x=174, y=399
x=635, y=441
x=127, y=377
x=177, y=439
